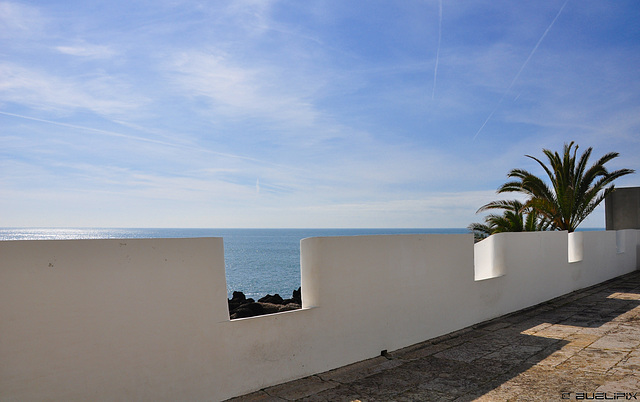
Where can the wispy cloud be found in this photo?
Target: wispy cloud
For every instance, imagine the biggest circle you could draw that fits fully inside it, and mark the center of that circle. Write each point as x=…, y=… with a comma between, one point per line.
x=84, y=128
x=19, y=20
x=241, y=91
x=100, y=93
x=535, y=48
x=164, y=143
x=436, y=209
x=87, y=50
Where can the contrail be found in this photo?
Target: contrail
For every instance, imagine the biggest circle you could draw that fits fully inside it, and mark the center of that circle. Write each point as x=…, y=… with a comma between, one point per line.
x=546, y=31
x=136, y=138
x=435, y=70
x=97, y=130
x=537, y=44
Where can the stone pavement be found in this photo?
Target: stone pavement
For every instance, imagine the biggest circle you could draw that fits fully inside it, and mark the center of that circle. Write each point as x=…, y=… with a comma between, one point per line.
x=584, y=345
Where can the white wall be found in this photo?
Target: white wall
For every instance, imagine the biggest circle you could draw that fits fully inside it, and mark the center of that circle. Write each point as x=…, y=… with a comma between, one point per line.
x=108, y=319
x=148, y=319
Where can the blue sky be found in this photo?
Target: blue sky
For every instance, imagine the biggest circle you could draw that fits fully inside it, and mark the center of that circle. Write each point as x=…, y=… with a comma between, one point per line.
x=257, y=113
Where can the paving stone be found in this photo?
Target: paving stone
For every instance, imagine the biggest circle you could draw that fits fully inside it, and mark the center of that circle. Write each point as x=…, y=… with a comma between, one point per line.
x=600, y=331
x=625, y=296
x=515, y=353
x=450, y=385
x=628, y=384
x=548, y=384
x=419, y=351
x=431, y=367
x=497, y=340
x=539, y=341
x=300, y=388
x=384, y=386
x=503, y=393
x=596, y=360
x=582, y=340
x=449, y=342
x=632, y=315
x=579, y=320
x=559, y=356
x=557, y=331
x=467, y=352
x=421, y=395
x=494, y=326
x=486, y=372
x=531, y=327
x=617, y=341
x=259, y=396
x=359, y=370
x=630, y=365
x=341, y=393
x=627, y=328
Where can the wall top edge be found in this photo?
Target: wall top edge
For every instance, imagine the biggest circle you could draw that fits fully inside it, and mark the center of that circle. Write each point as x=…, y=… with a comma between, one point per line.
x=395, y=236
x=121, y=240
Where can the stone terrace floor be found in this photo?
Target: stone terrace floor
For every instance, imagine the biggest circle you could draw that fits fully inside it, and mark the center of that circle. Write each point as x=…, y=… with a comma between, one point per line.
x=584, y=345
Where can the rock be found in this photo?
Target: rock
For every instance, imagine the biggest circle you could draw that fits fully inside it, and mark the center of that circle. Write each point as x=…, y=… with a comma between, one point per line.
x=297, y=296
x=275, y=299
x=295, y=299
x=270, y=308
x=237, y=300
x=248, y=310
x=238, y=297
x=241, y=307
x=290, y=306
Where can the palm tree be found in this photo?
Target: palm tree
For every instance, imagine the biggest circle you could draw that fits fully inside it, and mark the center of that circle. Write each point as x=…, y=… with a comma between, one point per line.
x=575, y=190
x=516, y=217
x=480, y=231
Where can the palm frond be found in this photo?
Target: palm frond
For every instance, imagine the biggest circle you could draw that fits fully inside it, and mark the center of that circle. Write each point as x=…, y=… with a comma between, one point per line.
x=570, y=195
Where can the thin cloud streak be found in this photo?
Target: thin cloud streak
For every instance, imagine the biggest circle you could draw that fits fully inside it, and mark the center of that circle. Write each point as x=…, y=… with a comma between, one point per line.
x=37, y=88
x=96, y=130
x=87, y=50
x=136, y=138
x=435, y=70
x=521, y=68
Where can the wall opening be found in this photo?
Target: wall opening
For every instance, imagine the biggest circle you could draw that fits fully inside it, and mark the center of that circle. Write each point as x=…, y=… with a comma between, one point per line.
x=576, y=247
x=489, y=258
x=621, y=241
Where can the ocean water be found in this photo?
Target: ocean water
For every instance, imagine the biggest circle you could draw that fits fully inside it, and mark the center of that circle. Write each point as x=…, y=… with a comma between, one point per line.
x=257, y=261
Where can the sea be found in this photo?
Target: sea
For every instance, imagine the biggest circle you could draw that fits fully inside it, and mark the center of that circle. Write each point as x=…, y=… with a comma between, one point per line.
x=257, y=261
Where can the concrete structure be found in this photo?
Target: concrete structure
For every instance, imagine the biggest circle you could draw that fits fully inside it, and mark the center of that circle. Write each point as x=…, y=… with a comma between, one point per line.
x=584, y=345
x=622, y=209
x=148, y=319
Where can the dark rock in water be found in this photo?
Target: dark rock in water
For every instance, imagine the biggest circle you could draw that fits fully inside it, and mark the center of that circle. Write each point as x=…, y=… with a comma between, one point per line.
x=248, y=310
x=270, y=308
x=290, y=306
x=241, y=307
x=297, y=296
x=295, y=299
x=238, y=297
x=275, y=299
x=237, y=300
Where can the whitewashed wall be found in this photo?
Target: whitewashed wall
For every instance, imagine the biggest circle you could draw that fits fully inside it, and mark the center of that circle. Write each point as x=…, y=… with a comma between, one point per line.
x=148, y=319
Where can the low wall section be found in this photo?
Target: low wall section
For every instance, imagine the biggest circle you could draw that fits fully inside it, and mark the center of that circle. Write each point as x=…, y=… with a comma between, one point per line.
x=148, y=319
